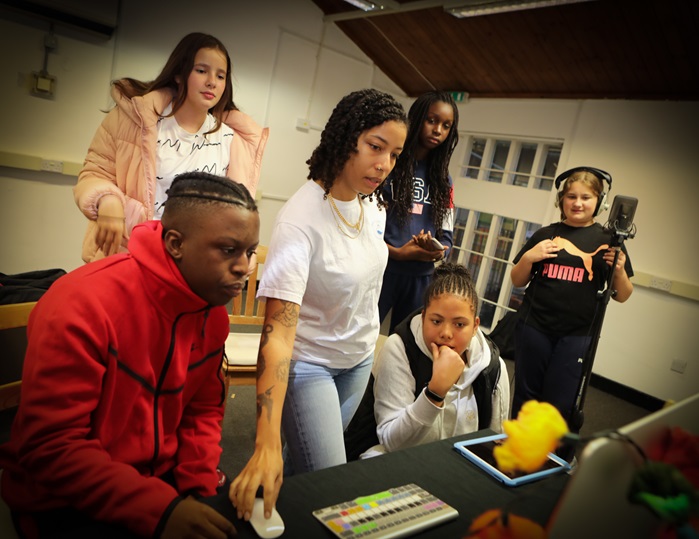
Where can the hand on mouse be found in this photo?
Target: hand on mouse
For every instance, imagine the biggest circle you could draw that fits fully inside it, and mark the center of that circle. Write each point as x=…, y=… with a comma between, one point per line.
x=265, y=469
x=266, y=527
x=191, y=519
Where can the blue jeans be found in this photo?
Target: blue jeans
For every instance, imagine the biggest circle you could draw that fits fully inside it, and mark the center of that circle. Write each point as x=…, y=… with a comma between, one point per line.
x=319, y=404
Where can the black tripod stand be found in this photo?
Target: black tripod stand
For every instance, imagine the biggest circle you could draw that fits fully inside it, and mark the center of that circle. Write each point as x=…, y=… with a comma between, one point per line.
x=621, y=227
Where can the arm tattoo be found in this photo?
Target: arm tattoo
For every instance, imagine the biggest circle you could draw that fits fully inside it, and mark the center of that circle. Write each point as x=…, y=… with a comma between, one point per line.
x=288, y=315
x=264, y=339
x=282, y=374
x=264, y=400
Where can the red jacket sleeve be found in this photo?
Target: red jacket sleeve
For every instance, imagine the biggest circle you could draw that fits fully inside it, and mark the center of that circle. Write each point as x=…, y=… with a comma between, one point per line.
x=199, y=433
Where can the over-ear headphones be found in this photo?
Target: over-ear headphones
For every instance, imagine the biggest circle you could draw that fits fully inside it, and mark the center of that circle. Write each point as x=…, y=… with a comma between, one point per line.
x=602, y=199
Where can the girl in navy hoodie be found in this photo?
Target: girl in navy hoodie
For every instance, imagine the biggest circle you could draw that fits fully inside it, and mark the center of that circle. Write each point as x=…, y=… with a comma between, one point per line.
x=419, y=193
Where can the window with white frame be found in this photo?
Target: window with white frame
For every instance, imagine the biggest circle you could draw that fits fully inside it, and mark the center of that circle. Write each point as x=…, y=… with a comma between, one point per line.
x=486, y=242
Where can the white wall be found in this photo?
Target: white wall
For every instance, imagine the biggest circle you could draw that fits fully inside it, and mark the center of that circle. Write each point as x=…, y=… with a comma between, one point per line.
x=281, y=75
x=651, y=150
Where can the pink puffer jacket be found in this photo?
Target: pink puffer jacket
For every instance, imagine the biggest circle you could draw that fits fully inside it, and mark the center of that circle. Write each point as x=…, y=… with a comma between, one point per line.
x=122, y=156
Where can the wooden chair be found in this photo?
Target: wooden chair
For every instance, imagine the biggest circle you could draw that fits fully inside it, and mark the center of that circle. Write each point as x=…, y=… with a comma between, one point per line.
x=246, y=319
x=12, y=317
x=15, y=315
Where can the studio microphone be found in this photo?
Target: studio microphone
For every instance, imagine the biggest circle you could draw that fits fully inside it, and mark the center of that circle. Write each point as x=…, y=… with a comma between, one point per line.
x=622, y=214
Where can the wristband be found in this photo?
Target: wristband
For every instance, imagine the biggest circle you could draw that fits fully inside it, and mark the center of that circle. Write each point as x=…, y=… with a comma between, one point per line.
x=432, y=395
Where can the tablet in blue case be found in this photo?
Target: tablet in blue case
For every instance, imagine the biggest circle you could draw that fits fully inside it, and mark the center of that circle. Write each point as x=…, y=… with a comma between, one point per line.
x=480, y=452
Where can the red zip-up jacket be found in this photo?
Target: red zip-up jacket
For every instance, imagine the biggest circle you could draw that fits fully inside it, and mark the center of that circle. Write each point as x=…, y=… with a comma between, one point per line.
x=121, y=384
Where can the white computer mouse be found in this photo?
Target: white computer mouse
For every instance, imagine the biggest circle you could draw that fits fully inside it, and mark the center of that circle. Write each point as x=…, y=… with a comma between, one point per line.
x=267, y=528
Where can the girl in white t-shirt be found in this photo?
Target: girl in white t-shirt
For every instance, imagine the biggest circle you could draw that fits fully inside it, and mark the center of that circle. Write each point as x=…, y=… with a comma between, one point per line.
x=183, y=121
x=322, y=281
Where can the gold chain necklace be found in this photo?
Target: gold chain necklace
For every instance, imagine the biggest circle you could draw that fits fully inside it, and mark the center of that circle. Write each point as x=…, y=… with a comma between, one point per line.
x=336, y=213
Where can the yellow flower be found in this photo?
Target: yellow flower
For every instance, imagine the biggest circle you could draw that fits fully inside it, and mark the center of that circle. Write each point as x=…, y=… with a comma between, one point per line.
x=536, y=432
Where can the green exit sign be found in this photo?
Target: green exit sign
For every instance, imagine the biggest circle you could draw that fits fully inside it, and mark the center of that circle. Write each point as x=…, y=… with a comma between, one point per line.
x=459, y=96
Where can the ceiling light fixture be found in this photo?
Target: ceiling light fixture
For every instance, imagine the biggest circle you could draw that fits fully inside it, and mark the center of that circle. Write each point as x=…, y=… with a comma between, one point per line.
x=364, y=5
x=473, y=8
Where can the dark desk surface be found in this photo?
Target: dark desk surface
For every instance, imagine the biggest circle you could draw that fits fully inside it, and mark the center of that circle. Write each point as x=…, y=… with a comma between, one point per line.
x=436, y=467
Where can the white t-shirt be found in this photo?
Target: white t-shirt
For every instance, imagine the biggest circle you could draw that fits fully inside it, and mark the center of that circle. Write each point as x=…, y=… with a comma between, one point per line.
x=179, y=151
x=335, y=279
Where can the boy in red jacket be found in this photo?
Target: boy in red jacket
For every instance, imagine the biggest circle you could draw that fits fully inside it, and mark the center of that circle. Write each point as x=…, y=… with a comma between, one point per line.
x=119, y=423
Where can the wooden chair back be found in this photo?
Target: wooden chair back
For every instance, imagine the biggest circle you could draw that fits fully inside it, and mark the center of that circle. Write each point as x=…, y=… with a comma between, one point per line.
x=250, y=312
x=240, y=367
x=12, y=316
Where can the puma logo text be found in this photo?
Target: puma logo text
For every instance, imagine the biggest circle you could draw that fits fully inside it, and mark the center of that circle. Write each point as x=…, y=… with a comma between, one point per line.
x=573, y=250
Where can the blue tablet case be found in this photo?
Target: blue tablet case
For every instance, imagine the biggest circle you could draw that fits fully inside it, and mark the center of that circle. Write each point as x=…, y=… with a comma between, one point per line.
x=479, y=451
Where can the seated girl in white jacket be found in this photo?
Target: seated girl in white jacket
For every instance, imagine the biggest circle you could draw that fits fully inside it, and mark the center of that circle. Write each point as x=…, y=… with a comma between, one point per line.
x=439, y=375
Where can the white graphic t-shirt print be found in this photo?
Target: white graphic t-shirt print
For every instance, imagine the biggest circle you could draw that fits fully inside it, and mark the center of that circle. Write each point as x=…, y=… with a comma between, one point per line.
x=179, y=151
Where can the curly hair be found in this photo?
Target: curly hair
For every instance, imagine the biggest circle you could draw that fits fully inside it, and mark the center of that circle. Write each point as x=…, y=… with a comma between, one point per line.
x=454, y=279
x=437, y=163
x=355, y=113
x=179, y=66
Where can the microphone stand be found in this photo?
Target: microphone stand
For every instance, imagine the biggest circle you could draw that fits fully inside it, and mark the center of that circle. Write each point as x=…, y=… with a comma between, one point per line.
x=603, y=296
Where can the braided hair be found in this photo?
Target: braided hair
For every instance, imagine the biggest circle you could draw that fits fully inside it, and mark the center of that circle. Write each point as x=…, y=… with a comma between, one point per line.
x=437, y=163
x=454, y=279
x=355, y=113
x=194, y=190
